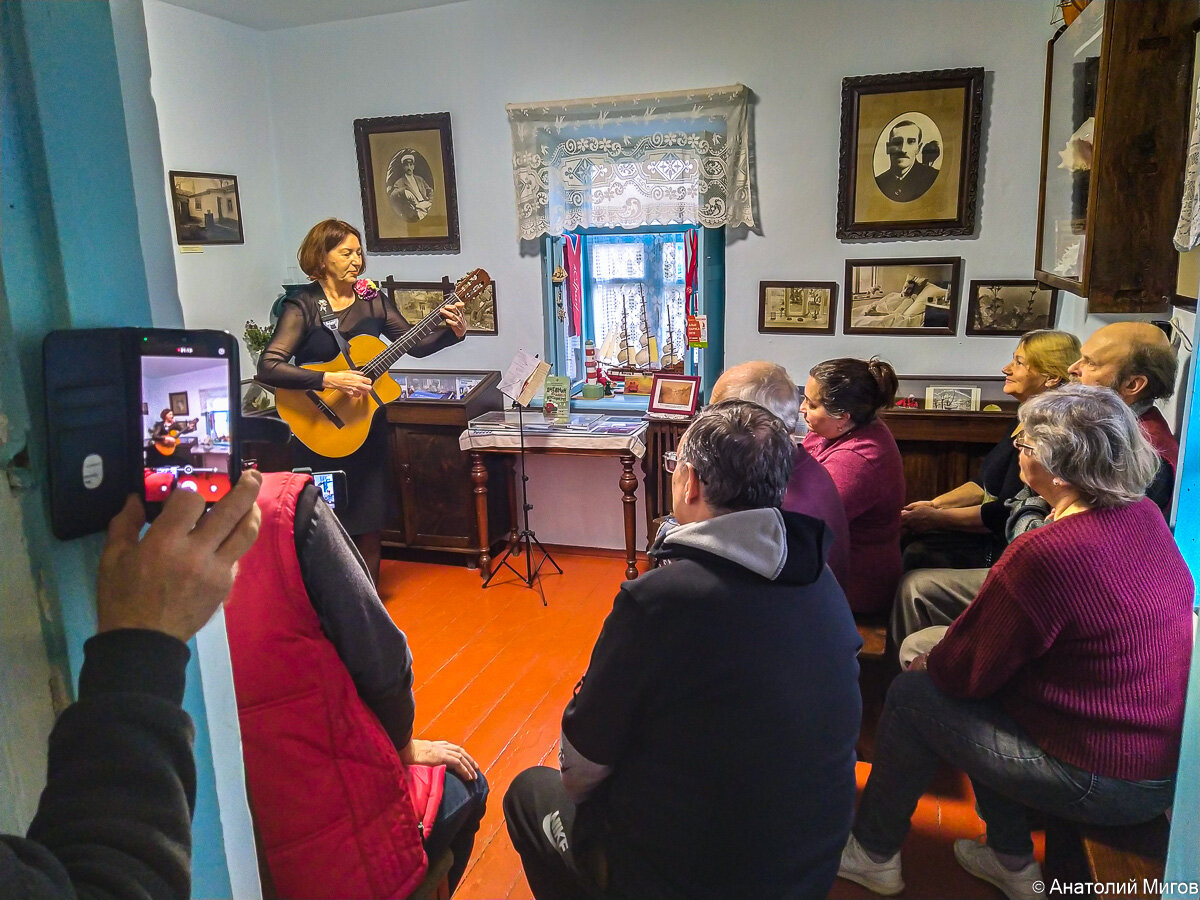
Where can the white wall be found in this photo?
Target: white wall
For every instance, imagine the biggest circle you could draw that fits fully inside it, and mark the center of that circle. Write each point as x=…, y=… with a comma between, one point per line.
x=211, y=89
x=472, y=58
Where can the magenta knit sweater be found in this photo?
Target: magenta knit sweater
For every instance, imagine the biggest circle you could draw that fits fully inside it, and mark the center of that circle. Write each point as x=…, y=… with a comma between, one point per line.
x=1083, y=631
x=866, y=468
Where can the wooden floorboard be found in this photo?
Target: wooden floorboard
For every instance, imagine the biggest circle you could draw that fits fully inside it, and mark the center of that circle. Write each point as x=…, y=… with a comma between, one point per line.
x=495, y=668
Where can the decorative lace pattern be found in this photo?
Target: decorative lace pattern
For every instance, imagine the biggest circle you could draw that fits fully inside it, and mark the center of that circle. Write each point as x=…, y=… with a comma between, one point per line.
x=1187, y=233
x=668, y=159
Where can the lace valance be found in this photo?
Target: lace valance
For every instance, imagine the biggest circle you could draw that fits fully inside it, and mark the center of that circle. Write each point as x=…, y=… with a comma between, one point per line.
x=664, y=159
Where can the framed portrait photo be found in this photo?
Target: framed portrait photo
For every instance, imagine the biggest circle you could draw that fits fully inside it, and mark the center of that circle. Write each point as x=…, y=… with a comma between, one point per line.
x=674, y=395
x=909, y=160
x=406, y=171
x=797, y=307
x=179, y=402
x=902, y=296
x=1009, y=308
x=206, y=208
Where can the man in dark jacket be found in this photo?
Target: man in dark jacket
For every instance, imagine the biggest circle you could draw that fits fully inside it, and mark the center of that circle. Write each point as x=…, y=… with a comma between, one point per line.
x=115, y=817
x=709, y=749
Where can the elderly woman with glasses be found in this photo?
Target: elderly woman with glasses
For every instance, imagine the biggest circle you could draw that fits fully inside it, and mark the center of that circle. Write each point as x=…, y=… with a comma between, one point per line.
x=1062, y=686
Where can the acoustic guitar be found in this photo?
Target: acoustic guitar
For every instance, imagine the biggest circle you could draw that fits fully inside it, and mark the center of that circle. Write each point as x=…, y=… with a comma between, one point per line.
x=166, y=443
x=333, y=423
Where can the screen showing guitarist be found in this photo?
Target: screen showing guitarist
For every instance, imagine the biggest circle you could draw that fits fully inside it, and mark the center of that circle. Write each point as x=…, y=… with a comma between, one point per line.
x=338, y=304
x=166, y=449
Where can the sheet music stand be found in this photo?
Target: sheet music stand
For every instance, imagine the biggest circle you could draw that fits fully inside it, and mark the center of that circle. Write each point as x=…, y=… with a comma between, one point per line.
x=525, y=537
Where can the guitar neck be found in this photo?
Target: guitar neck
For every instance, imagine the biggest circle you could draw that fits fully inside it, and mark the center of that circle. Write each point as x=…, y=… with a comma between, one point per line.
x=427, y=326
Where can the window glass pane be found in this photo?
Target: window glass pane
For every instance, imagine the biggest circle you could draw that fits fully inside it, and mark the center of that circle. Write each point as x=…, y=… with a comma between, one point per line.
x=636, y=291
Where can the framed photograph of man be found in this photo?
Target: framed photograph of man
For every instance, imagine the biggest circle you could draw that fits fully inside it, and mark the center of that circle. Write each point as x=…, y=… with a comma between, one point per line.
x=206, y=208
x=996, y=306
x=902, y=296
x=406, y=171
x=909, y=161
x=797, y=307
x=179, y=402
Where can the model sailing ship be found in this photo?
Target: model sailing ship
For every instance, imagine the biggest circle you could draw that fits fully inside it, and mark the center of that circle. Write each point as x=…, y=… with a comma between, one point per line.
x=624, y=353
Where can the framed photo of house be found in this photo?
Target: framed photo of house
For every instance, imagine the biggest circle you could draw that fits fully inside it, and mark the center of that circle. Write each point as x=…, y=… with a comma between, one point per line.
x=953, y=398
x=406, y=172
x=797, y=307
x=902, y=296
x=179, y=403
x=674, y=395
x=997, y=306
x=206, y=208
x=909, y=160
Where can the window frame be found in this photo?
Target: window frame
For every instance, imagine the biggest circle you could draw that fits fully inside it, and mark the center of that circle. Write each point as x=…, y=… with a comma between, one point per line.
x=707, y=363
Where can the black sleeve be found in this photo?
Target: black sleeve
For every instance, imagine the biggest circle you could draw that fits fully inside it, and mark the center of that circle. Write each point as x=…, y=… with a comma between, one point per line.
x=373, y=649
x=994, y=515
x=1000, y=475
x=115, y=818
x=274, y=366
x=601, y=718
x=1162, y=487
x=394, y=326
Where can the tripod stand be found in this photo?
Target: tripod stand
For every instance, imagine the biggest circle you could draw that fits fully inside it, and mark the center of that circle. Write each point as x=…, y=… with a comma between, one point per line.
x=525, y=537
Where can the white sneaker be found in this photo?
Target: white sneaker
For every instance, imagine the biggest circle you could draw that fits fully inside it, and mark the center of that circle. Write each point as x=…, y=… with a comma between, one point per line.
x=882, y=878
x=980, y=860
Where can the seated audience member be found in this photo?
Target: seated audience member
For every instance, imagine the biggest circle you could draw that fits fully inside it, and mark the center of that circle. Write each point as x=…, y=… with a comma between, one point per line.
x=841, y=399
x=1062, y=686
x=927, y=598
x=1137, y=361
x=115, y=817
x=709, y=749
x=810, y=490
x=964, y=527
x=347, y=801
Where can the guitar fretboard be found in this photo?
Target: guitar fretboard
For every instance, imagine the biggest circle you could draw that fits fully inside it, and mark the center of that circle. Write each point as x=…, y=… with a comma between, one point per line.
x=427, y=326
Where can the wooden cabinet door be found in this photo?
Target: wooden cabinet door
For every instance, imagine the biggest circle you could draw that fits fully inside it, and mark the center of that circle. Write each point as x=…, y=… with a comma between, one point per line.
x=434, y=481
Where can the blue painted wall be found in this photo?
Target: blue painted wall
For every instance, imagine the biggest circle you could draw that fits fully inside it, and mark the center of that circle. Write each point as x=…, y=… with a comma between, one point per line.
x=73, y=257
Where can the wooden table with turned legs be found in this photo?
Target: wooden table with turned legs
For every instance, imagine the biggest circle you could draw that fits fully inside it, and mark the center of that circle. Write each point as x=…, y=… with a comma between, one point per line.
x=625, y=448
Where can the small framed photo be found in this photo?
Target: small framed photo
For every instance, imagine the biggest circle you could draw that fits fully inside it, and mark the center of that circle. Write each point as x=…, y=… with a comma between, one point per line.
x=797, y=307
x=206, y=207
x=417, y=299
x=674, y=395
x=902, y=296
x=406, y=172
x=909, y=161
x=996, y=306
x=179, y=403
x=954, y=398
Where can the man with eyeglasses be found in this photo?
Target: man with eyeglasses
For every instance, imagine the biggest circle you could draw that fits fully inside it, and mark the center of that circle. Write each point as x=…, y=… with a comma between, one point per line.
x=709, y=749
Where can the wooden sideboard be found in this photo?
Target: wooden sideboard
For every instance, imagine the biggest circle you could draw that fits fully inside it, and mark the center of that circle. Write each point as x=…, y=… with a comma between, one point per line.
x=941, y=450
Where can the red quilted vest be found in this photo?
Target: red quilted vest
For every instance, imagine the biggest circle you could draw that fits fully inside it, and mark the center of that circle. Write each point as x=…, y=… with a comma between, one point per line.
x=336, y=808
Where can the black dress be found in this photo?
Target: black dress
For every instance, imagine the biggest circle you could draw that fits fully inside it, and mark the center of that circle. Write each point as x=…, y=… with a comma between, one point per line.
x=302, y=335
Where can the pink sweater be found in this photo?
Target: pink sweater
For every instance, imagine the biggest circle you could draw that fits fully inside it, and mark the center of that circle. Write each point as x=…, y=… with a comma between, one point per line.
x=1083, y=631
x=866, y=468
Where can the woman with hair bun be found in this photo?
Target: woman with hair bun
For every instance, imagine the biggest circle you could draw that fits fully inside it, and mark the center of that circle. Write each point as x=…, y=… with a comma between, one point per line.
x=841, y=399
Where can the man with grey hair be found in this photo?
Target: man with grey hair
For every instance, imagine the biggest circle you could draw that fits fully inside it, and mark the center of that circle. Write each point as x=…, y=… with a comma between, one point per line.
x=709, y=749
x=810, y=490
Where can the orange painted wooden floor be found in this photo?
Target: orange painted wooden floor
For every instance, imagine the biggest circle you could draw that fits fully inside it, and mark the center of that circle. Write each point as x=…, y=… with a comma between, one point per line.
x=494, y=669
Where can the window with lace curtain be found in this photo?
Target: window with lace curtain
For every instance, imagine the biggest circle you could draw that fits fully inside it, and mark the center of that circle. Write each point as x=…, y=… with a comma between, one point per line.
x=631, y=174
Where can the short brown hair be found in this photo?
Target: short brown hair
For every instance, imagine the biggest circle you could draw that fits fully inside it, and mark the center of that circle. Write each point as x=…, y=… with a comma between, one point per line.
x=322, y=238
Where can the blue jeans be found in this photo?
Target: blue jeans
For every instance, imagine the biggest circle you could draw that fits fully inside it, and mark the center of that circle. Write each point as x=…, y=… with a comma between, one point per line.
x=921, y=726
x=457, y=821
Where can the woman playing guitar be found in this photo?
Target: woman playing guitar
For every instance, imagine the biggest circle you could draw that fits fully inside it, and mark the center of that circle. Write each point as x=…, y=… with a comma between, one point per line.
x=331, y=256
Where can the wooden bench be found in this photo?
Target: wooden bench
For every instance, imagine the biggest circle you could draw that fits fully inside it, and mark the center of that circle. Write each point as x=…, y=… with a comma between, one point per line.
x=1094, y=854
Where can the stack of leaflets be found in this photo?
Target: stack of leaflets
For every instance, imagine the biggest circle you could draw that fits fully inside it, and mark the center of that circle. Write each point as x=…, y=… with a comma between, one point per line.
x=532, y=421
